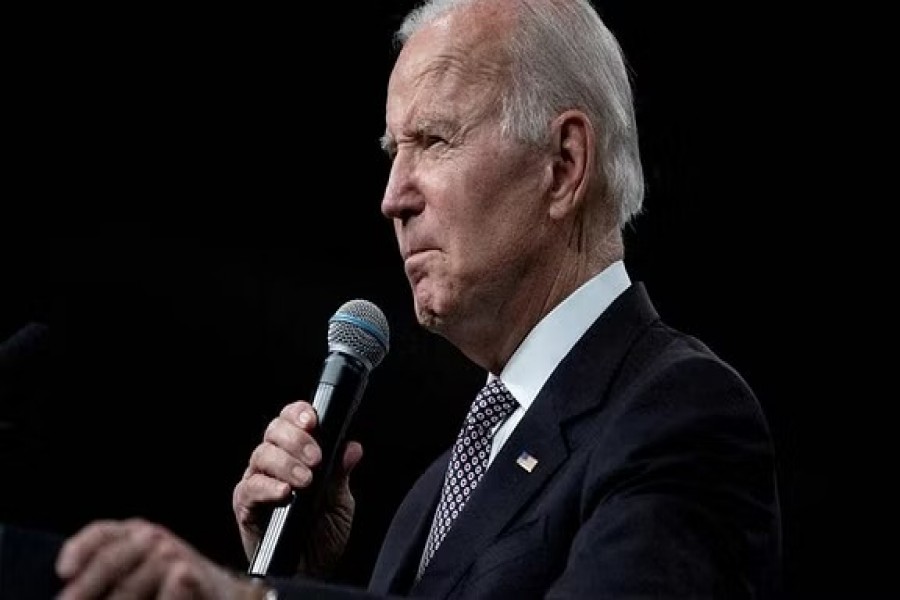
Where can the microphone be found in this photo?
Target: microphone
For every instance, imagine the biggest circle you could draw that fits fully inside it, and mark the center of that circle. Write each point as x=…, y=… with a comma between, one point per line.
x=357, y=343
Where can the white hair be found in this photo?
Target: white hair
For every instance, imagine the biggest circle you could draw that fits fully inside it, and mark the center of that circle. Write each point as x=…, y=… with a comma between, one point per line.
x=564, y=57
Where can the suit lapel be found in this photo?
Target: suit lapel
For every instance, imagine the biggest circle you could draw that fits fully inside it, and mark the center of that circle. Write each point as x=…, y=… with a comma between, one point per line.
x=580, y=382
x=504, y=490
x=577, y=386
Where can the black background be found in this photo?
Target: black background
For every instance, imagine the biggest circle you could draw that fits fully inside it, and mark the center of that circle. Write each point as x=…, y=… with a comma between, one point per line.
x=189, y=194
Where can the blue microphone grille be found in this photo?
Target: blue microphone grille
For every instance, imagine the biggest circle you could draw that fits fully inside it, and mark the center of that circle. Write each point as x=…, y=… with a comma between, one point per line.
x=360, y=327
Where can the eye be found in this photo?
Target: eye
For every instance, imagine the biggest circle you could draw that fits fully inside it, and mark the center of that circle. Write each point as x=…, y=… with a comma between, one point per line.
x=430, y=140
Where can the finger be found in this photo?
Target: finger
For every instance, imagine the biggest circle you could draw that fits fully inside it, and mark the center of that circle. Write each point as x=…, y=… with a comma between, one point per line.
x=275, y=462
x=258, y=489
x=165, y=554
x=142, y=583
x=297, y=442
x=302, y=414
x=80, y=548
x=181, y=583
x=195, y=578
x=112, y=565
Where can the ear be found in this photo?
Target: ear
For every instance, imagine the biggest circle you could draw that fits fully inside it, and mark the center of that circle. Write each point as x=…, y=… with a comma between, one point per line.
x=572, y=139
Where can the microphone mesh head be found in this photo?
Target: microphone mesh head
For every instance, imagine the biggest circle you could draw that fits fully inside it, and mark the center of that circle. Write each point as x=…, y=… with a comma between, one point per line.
x=360, y=327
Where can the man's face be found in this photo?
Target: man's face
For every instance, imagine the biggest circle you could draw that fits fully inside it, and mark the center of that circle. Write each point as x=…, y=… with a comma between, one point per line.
x=466, y=203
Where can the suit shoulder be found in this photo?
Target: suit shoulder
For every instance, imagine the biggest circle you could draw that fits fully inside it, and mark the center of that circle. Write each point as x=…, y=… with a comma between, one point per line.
x=668, y=366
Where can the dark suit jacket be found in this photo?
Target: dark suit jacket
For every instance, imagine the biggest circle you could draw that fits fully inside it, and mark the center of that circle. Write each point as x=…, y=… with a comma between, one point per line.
x=655, y=479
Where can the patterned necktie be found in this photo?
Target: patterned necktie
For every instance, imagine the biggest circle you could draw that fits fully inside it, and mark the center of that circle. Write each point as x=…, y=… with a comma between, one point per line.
x=469, y=460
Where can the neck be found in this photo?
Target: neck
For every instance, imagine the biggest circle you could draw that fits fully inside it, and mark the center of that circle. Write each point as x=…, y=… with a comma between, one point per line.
x=491, y=339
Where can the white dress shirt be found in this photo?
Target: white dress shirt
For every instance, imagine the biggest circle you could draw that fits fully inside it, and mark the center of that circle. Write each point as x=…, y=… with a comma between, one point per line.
x=551, y=339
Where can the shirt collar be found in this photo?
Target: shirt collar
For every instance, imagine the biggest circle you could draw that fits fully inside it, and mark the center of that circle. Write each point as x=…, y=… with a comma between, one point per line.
x=556, y=334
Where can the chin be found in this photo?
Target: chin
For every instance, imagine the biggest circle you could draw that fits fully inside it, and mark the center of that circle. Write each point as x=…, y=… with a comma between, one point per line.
x=427, y=317
x=429, y=321
x=427, y=312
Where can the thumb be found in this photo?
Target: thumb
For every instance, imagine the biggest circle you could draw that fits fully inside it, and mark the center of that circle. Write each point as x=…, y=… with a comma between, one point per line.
x=353, y=453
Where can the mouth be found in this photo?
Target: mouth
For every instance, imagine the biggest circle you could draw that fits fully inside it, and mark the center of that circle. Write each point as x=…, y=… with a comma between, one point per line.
x=416, y=252
x=415, y=263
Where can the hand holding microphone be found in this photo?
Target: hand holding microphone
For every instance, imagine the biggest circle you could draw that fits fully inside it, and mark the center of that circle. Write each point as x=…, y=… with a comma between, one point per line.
x=293, y=504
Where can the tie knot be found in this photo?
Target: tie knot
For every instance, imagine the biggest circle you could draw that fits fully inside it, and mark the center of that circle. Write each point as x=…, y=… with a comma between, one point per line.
x=491, y=406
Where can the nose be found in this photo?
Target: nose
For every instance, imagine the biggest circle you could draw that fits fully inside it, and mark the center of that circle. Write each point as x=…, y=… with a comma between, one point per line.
x=403, y=196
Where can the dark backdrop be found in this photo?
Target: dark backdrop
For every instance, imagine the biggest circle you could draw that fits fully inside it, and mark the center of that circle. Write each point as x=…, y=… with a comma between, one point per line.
x=191, y=193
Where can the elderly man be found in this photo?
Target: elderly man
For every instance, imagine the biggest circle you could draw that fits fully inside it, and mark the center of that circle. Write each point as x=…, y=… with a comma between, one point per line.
x=608, y=455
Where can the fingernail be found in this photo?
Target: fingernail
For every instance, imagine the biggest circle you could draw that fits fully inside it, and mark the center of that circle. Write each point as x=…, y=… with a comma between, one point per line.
x=305, y=418
x=310, y=452
x=301, y=475
x=64, y=565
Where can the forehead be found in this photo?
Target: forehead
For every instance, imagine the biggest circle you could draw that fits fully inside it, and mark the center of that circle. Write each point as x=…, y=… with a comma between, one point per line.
x=447, y=65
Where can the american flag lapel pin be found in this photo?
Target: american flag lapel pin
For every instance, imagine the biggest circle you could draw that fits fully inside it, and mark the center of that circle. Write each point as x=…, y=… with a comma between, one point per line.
x=527, y=461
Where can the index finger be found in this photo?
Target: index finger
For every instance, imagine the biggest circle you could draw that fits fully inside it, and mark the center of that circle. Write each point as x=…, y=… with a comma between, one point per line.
x=78, y=549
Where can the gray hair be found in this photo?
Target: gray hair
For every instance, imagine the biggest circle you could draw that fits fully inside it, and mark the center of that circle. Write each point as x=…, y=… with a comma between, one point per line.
x=564, y=57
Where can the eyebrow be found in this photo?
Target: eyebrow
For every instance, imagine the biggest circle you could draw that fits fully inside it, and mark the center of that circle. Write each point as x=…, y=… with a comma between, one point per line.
x=423, y=125
x=388, y=144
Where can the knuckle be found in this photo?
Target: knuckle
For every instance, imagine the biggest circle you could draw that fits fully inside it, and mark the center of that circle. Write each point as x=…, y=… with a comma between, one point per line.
x=272, y=429
x=302, y=474
x=179, y=581
x=256, y=458
x=137, y=523
x=237, y=496
x=168, y=549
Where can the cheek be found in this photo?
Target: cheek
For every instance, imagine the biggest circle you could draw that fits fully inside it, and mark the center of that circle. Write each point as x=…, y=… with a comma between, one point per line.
x=503, y=230
x=484, y=219
x=469, y=245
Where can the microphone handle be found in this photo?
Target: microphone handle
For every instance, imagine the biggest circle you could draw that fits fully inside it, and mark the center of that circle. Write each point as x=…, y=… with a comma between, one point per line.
x=336, y=399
